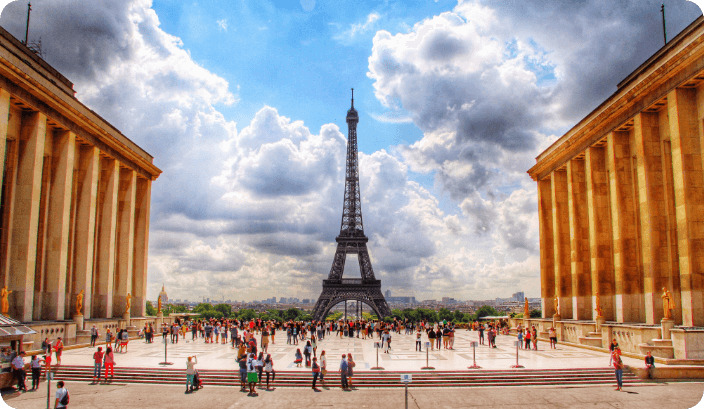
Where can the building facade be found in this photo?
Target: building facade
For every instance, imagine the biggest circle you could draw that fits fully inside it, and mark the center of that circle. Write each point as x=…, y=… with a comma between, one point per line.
x=621, y=197
x=75, y=199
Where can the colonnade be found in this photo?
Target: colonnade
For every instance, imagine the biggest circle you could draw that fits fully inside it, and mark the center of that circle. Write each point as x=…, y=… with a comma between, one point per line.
x=74, y=216
x=625, y=218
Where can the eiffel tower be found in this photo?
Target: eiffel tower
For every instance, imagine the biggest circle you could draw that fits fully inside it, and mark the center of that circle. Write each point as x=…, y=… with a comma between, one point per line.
x=351, y=241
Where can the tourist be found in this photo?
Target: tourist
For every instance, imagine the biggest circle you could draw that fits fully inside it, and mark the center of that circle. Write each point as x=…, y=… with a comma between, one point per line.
x=36, y=365
x=438, y=337
x=252, y=375
x=190, y=372
x=520, y=337
x=649, y=364
x=223, y=335
x=59, y=348
x=233, y=336
x=350, y=370
x=307, y=352
x=273, y=333
x=490, y=336
x=527, y=338
x=216, y=332
x=98, y=364
x=117, y=339
x=553, y=338
x=451, y=336
x=613, y=345
x=46, y=346
x=259, y=365
x=299, y=357
x=265, y=339
x=534, y=337
x=323, y=367
x=269, y=369
x=384, y=341
x=431, y=339
x=125, y=339
x=18, y=371
x=62, y=397
x=109, y=363
x=93, y=335
x=316, y=372
x=480, y=328
x=343, y=372
x=242, y=361
x=418, y=341
x=618, y=367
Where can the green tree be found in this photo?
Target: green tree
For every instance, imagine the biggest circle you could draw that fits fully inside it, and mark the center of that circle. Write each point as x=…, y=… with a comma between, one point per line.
x=411, y=314
x=535, y=313
x=427, y=314
x=459, y=316
x=291, y=314
x=396, y=313
x=486, y=311
x=225, y=309
x=445, y=315
x=334, y=316
x=202, y=307
x=247, y=314
x=151, y=311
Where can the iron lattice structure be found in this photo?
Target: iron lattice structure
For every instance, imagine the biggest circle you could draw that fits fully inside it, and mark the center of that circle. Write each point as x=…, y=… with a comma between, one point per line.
x=351, y=241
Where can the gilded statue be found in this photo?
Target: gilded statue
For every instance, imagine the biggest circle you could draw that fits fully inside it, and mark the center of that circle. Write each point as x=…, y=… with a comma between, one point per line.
x=667, y=303
x=158, y=305
x=4, y=304
x=526, y=310
x=128, y=303
x=598, y=309
x=556, y=304
x=79, y=303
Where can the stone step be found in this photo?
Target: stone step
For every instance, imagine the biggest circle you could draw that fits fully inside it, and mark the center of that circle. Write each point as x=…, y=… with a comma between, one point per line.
x=660, y=351
x=591, y=341
x=594, y=334
x=662, y=342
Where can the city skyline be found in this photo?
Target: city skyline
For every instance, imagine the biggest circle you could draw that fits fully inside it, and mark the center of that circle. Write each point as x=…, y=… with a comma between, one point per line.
x=243, y=108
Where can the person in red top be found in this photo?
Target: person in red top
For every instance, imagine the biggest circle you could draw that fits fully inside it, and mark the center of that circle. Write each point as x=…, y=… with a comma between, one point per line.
x=618, y=368
x=98, y=358
x=59, y=348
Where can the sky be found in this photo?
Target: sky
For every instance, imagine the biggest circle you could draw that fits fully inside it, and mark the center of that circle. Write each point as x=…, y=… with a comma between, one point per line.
x=242, y=104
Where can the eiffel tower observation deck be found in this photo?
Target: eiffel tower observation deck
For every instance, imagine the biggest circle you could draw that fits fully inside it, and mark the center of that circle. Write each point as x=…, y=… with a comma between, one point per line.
x=351, y=240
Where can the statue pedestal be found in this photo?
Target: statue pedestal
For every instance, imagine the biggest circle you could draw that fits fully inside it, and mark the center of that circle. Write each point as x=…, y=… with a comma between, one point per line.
x=555, y=319
x=666, y=324
x=126, y=317
x=599, y=322
x=160, y=318
x=78, y=319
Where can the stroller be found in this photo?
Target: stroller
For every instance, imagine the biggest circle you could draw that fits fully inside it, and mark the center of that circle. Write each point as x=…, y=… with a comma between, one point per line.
x=197, y=382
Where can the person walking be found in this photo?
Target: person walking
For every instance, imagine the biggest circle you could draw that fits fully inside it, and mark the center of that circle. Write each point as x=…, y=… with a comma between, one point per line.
x=109, y=363
x=418, y=341
x=480, y=328
x=260, y=367
x=316, y=373
x=323, y=367
x=534, y=337
x=59, y=348
x=618, y=368
x=190, y=372
x=97, y=364
x=269, y=369
x=36, y=365
x=520, y=338
x=242, y=362
x=62, y=397
x=350, y=370
x=307, y=352
x=18, y=371
x=343, y=372
x=94, y=335
x=553, y=338
x=431, y=339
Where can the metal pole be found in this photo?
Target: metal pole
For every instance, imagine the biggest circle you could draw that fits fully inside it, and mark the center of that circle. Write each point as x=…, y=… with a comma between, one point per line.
x=48, y=393
x=26, y=32
x=517, y=365
x=166, y=346
x=406, y=396
x=664, y=30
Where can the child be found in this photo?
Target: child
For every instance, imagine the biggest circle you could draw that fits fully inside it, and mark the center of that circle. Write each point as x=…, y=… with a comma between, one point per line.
x=299, y=357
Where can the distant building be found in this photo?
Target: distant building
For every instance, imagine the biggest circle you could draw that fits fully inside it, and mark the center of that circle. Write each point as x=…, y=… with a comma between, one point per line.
x=387, y=294
x=519, y=296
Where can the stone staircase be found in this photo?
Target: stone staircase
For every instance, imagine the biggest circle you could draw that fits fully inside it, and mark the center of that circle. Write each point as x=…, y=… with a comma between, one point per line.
x=661, y=348
x=593, y=339
x=368, y=379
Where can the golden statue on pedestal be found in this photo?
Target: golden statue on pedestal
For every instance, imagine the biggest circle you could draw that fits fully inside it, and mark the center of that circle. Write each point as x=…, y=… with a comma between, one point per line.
x=598, y=309
x=526, y=310
x=556, y=304
x=667, y=304
x=128, y=303
x=158, y=305
x=79, y=303
x=4, y=304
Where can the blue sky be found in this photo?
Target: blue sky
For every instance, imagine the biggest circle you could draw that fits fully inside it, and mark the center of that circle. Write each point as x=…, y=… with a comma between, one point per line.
x=242, y=104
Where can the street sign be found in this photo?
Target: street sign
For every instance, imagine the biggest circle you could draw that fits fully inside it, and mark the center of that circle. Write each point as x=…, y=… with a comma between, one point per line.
x=474, y=344
x=406, y=378
x=49, y=376
x=517, y=343
x=427, y=345
x=377, y=345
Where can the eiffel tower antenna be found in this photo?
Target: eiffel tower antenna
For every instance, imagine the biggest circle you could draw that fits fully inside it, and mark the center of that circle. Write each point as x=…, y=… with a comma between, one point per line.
x=351, y=241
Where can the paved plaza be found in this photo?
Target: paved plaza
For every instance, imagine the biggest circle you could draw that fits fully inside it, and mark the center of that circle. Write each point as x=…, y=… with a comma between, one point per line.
x=84, y=395
x=402, y=356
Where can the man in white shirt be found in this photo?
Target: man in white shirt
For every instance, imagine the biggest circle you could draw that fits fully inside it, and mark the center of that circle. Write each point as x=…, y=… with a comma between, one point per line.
x=60, y=393
x=18, y=371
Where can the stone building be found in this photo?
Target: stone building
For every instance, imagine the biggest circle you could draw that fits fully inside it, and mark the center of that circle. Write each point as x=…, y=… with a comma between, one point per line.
x=621, y=207
x=74, y=205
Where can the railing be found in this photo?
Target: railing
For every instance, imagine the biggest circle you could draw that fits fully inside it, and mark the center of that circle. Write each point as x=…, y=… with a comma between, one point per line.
x=350, y=281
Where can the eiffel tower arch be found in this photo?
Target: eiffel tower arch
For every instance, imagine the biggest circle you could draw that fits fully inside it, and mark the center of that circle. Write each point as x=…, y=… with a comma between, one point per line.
x=351, y=241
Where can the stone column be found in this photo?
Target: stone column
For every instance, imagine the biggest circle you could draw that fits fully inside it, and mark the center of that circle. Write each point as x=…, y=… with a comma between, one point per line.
x=24, y=227
x=107, y=228
x=58, y=225
x=653, y=214
x=561, y=229
x=602, y=273
x=689, y=191
x=84, y=237
x=4, y=134
x=672, y=272
x=547, y=259
x=141, y=245
x=125, y=240
x=579, y=241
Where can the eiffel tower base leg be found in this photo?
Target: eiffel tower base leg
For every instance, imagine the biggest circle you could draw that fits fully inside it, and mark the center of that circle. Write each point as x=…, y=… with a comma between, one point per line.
x=337, y=291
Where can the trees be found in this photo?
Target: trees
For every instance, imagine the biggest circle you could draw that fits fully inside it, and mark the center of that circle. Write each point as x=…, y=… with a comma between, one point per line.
x=151, y=311
x=535, y=313
x=225, y=309
x=445, y=315
x=459, y=316
x=485, y=311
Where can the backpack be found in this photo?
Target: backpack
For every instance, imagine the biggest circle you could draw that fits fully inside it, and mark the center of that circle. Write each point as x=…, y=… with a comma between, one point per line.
x=64, y=399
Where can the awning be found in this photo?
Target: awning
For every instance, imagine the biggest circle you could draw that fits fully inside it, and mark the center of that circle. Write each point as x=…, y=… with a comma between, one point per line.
x=12, y=328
